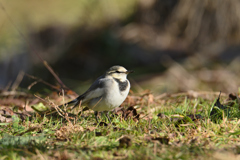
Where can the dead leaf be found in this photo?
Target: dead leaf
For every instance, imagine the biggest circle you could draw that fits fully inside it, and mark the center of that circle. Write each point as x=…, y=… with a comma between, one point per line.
x=161, y=116
x=98, y=134
x=91, y=128
x=218, y=103
x=130, y=112
x=231, y=98
x=162, y=140
x=65, y=132
x=118, y=129
x=195, y=117
x=217, y=110
x=103, y=124
x=125, y=142
x=4, y=119
x=150, y=98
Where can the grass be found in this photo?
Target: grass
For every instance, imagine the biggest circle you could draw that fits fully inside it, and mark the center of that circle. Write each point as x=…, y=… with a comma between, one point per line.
x=173, y=135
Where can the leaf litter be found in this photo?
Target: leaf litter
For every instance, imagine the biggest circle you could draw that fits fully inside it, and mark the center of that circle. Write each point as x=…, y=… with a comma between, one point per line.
x=183, y=125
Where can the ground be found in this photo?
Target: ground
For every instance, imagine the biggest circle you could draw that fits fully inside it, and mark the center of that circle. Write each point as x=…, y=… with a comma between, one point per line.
x=146, y=126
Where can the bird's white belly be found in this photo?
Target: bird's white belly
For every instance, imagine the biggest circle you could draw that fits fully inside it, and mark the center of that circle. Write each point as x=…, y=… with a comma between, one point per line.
x=112, y=98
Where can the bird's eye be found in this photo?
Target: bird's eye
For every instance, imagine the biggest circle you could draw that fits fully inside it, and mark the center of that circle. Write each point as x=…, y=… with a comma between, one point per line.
x=118, y=72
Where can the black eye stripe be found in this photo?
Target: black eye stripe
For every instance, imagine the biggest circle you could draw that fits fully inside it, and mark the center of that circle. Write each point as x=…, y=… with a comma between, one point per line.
x=111, y=72
x=119, y=72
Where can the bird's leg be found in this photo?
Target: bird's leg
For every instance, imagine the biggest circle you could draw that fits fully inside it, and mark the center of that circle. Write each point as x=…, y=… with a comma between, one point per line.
x=96, y=116
x=107, y=114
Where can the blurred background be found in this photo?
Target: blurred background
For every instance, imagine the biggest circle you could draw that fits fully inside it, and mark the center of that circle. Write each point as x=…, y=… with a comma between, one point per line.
x=173, y=45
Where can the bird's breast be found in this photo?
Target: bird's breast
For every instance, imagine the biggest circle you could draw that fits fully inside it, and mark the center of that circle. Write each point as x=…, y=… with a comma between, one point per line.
x=115, y=96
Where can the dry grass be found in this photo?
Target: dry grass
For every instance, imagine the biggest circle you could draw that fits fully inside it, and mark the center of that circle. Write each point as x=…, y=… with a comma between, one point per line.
x=167, y=126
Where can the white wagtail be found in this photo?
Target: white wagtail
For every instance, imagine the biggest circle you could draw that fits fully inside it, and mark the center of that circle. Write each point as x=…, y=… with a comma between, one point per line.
x=106, y=93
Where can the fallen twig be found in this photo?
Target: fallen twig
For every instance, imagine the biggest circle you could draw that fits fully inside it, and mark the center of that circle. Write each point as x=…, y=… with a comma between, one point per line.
x=42, y=81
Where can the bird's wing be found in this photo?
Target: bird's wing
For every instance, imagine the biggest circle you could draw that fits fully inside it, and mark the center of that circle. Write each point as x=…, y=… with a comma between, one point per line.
x=96, y=90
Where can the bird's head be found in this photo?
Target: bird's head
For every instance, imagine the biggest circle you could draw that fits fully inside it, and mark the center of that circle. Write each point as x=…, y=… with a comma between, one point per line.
x=118, y=72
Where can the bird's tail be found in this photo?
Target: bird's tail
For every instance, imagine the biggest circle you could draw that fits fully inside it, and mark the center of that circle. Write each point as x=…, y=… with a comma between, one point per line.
x=73, y=103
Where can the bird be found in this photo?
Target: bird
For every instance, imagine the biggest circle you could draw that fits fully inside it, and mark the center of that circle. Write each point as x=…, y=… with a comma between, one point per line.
x=106, y=93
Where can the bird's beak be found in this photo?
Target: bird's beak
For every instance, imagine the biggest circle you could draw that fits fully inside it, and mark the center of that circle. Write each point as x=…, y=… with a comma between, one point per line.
x=129, y=71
